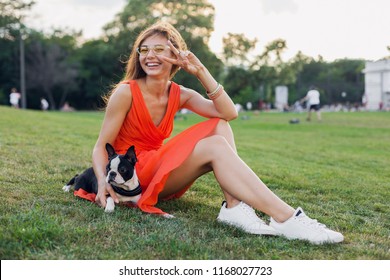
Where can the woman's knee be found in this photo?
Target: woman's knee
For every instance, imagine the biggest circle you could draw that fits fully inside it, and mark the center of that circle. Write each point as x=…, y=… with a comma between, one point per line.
x=213, y=146
x=223, y=128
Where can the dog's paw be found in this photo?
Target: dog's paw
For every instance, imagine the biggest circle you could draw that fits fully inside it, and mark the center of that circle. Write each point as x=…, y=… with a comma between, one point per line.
x=110, y=205
x=66, y=188
x=168, y=216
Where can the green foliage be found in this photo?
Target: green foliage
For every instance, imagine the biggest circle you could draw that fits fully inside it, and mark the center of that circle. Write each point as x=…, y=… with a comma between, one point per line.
x=239, y=85
x=192, y=18
x=236, y=48
x=272, y=52
x=3, y=97
x=11, y=16
x=11, y=22
x=101, y=67
x=9, y=67
x=51, y=67
x=334, y=78
x=245, y=95
x=336, y=170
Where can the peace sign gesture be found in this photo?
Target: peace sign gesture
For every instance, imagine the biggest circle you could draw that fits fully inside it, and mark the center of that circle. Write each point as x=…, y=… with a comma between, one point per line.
x=184, y=59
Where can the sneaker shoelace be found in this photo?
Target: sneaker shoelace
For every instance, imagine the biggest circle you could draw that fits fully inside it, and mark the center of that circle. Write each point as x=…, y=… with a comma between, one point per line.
x=313, y=223
x=251, y=213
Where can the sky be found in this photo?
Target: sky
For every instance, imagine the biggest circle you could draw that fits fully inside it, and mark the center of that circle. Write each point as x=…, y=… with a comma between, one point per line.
x=333, y=29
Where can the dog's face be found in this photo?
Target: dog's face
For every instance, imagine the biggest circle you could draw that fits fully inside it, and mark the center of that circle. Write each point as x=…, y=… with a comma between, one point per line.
x=120, y=168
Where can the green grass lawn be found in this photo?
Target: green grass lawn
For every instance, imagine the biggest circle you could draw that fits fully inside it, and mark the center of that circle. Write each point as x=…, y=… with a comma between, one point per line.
x=337, y=170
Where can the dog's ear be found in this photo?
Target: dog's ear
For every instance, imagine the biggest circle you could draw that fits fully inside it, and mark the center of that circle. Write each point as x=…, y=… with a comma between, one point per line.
x=110, y=151
x=130, y=155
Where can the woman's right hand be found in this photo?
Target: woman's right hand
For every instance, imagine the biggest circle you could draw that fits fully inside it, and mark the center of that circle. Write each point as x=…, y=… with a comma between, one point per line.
x=105, y=190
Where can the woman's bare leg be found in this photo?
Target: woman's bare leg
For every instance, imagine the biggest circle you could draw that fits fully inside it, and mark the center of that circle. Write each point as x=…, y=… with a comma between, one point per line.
x=223, y=129
x=217, y=153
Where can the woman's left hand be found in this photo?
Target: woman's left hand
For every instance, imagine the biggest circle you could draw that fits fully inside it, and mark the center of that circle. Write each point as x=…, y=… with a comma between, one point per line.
x=184, y=59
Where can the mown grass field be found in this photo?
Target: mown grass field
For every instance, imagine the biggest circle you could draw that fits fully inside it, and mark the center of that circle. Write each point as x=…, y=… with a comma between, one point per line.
x=337, y=170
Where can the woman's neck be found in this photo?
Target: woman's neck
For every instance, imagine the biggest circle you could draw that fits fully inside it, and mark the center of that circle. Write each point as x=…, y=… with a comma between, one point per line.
x=156, y=87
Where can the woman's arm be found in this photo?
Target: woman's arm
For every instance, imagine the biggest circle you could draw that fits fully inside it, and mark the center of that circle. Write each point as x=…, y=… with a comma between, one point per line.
x=117, y=108
x=220, y=107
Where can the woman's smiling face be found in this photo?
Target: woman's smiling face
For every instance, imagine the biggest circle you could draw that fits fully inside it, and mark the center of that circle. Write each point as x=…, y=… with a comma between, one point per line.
x=149, y=52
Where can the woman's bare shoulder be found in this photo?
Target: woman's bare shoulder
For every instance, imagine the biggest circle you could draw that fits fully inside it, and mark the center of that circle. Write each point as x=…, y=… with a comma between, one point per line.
x=121, y=97
x=123, y=89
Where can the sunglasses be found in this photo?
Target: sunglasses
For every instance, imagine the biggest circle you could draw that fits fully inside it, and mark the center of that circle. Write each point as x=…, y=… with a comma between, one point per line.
x=157, y=49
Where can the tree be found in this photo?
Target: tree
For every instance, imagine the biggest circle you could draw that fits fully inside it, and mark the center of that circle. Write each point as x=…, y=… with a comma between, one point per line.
x=100, y=67
x=12, y=13
x=272, y=55
x=270, y=70
x=237, y=79
x=11, y=17
x=50, y=67
x=193, y=18
x=333, y=78
x=296, y=65
x=236, y=48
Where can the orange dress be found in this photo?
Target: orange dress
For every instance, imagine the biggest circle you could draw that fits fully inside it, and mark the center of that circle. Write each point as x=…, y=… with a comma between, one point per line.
x=157, y=159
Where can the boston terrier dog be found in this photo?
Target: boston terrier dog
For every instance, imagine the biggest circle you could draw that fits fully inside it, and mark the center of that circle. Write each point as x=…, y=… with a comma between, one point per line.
x=121, y=175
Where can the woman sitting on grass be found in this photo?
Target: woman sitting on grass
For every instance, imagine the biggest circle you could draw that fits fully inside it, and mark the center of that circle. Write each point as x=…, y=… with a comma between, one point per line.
x=140, y=112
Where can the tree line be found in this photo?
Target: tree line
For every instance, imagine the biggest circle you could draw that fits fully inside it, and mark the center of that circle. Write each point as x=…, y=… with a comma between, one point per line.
x=61, y=67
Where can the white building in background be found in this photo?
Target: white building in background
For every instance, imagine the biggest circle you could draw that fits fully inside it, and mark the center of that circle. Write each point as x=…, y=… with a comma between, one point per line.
x=281, y=97
x=377, y=84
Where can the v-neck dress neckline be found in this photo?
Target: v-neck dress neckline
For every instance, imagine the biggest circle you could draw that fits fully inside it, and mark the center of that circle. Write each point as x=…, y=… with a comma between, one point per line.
x=142, y=99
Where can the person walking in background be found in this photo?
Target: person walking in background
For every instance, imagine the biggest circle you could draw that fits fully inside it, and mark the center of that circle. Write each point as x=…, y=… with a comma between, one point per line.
x=313, y=102
x=14, y=98
x=364, y=101
x=44, y=104
x=249, y=106
x=140, y=111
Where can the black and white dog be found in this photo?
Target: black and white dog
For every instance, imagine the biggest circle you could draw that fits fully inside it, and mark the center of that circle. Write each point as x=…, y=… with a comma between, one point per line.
x=121, y=175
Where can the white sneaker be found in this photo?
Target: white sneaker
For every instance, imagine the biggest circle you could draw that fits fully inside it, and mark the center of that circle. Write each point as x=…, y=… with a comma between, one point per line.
x=300, y=226
x=244, y=217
